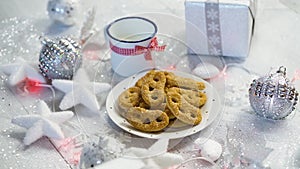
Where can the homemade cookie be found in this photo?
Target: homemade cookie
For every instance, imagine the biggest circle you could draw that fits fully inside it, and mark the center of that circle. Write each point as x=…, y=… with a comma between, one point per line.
x=153, y=89
x=182, y=110
x=169, y=113
x=144, y=105
x=145, y=79
x=162, y=99
x=129, y=98
x=195, y=98
x=163, y=107
x=147, y=120
x=182, y=82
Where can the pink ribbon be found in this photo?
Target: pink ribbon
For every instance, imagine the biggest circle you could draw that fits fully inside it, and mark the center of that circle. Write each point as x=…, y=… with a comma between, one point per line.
x=153, y=46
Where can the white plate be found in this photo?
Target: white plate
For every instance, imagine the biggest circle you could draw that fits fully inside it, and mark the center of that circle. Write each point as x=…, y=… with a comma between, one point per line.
x=209, y=111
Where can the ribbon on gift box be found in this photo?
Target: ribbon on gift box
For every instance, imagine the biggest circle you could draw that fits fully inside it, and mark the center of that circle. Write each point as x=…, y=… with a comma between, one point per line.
x=137, y=50
x=213, y=27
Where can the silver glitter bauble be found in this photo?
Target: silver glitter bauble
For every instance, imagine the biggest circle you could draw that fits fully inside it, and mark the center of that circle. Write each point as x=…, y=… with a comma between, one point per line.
x=91, y=155
x=63, y=11
x=94, y=154
x=60, y=58
x=273, y=96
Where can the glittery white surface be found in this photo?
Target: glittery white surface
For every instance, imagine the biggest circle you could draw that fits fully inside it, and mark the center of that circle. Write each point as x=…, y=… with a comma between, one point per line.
x=13, y=153
x=277, y=141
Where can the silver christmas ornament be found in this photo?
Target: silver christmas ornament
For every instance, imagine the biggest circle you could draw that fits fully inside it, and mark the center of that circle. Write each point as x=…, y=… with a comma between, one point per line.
x=60, y=58
x=94, y=154
x=63, y=11
x=272, y=96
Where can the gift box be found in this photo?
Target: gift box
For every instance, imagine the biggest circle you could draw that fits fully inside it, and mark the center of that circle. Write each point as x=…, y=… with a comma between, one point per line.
x=222, y=28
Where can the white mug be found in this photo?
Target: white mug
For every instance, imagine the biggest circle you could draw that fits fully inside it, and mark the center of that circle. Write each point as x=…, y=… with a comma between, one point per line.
x=131, y=40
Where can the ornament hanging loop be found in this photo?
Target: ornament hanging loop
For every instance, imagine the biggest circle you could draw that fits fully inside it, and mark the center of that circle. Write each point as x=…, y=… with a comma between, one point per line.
x=45, y=40
x=282, y=70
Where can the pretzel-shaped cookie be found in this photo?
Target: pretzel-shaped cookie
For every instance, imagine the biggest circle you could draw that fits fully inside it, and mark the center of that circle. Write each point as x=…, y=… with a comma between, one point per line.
x=147, y=120
x=162, y=99
x=195, y=98
x=153, y=89
x=169, y=113
x=144, y=79
x=129, y=98
x=183, y=111
x=144, y=105
x=182, y=82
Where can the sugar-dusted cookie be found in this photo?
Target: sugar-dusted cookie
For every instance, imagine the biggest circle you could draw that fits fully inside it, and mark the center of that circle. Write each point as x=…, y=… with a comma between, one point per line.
x=183, y=111
x=163, y=107
x=129, y=98
x=194, y=97
x=147, y=120
x=143, y=80
x=153, y=89
x=162, y=99
x=169, y=113
x=182, y=82
x=144, y=105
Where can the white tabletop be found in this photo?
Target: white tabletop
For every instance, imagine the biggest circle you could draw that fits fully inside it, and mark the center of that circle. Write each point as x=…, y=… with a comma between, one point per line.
x=275, y=43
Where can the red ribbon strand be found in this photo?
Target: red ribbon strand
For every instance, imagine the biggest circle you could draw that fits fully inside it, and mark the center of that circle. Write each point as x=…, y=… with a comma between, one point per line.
x=153, y=46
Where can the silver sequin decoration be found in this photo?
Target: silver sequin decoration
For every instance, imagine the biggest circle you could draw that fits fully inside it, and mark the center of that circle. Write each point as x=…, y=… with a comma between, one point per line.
x=60, y=58
x=273, y=96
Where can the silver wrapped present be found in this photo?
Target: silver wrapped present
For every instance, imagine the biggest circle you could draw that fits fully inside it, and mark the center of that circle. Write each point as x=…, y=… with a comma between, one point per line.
x=220, y=27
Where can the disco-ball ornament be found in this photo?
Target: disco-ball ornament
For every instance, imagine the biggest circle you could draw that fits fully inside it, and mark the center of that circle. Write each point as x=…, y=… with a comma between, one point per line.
x=272, y=96
x=60, y=58
x=63, y=11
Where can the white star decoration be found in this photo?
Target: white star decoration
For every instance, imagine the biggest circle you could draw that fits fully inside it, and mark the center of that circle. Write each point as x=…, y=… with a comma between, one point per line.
x=80, y=91
x=44, y=124
x=20, y=70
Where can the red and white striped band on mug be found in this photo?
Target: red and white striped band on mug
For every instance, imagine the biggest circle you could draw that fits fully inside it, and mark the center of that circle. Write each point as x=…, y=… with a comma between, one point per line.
x=137, y=50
